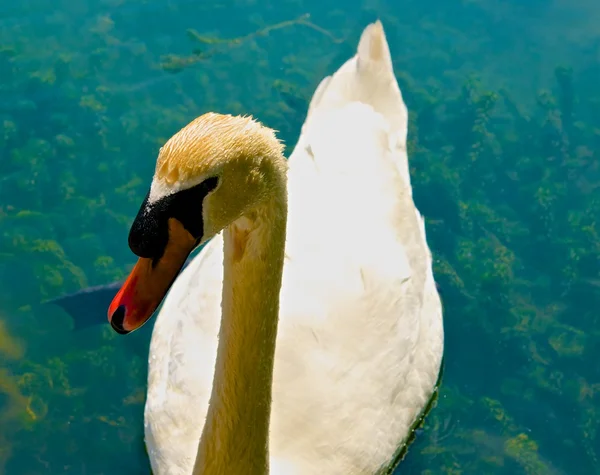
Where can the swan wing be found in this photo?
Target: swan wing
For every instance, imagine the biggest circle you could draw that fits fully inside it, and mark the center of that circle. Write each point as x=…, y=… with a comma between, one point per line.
x=361, y=338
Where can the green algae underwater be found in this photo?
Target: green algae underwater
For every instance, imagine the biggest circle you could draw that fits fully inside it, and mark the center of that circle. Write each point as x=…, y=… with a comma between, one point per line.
x=504, y=139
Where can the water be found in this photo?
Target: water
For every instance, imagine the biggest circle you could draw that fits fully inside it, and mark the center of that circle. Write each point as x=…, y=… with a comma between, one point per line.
x=507, y=178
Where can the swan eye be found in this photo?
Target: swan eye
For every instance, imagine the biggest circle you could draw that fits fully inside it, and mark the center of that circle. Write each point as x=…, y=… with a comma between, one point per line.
x=149, y=233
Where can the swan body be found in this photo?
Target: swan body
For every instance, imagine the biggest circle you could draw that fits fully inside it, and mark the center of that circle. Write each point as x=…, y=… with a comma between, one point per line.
x=360, y=334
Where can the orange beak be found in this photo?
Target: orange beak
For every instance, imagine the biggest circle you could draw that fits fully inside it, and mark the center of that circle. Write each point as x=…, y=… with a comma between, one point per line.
x=149, y=282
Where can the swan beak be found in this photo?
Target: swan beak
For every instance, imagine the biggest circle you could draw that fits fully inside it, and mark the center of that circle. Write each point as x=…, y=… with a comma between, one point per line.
x=149, y=282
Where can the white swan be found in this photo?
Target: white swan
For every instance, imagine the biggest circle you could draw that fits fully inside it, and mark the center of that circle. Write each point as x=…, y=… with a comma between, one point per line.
x=360, y=334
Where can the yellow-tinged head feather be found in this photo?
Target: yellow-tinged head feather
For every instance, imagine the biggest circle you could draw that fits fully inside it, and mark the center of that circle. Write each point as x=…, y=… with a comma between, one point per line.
x=211, y=139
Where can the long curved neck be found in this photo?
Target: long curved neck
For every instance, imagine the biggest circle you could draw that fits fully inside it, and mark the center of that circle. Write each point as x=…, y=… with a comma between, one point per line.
x=235, y=438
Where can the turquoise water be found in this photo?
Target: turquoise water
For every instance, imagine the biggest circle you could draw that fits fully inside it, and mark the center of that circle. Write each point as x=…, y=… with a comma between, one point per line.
x=504, y=140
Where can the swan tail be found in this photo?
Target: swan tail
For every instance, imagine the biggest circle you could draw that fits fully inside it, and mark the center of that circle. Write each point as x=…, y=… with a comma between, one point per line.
x=368, y=77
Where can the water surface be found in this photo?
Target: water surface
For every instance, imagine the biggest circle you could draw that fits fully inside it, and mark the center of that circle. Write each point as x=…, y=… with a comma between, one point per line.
x=504, y=139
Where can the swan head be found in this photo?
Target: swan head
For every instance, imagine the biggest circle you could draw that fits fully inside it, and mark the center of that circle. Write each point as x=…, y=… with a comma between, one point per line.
x=210, y=173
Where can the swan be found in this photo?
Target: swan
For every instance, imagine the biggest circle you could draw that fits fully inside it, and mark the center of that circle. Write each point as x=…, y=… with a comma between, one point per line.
x=307, y=337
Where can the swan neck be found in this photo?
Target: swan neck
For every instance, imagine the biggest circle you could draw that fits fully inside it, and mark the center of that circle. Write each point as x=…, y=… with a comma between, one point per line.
x=235, y=438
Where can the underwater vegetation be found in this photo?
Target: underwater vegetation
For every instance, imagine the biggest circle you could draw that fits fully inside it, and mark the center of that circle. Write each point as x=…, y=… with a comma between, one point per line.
x=503, y=148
